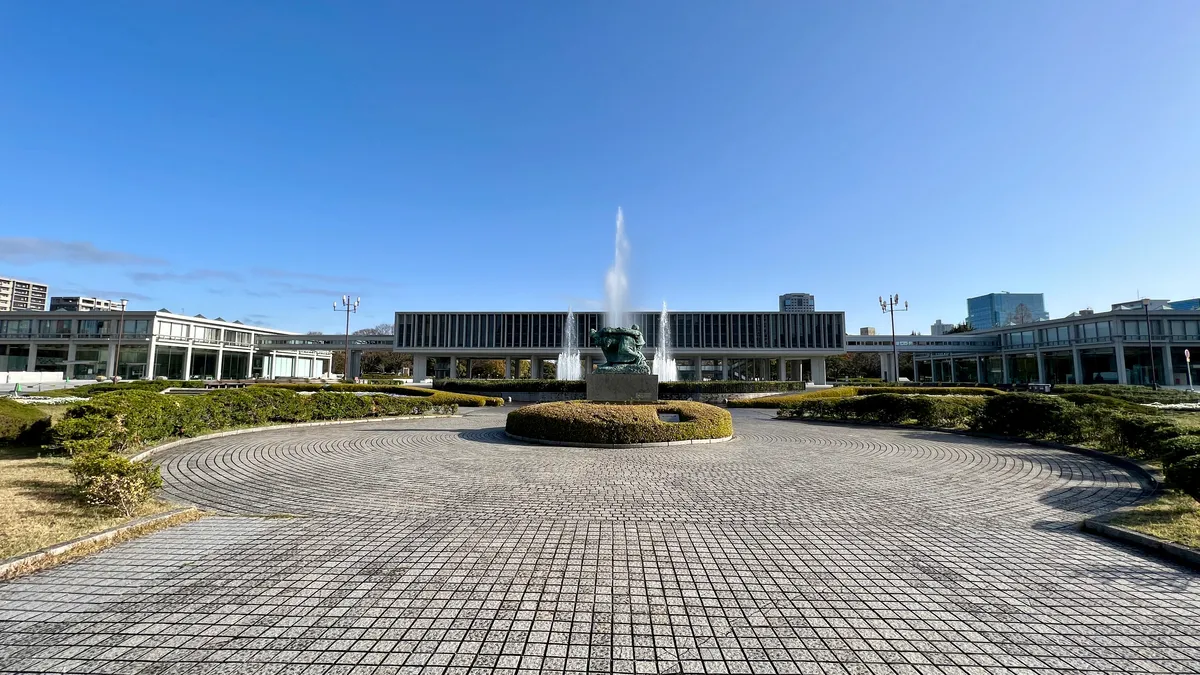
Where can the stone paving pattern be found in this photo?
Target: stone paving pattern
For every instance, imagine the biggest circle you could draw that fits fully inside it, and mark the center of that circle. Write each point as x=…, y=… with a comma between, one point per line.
x=442, y=546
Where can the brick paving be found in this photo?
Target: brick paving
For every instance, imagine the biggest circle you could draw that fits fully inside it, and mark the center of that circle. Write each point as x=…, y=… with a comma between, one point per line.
x=440, y=546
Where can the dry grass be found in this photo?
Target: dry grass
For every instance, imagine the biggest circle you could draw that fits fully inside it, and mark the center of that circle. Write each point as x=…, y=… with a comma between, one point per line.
x=38, y=507
x=1187, y=420
x=1174, y=516
x=55, y=411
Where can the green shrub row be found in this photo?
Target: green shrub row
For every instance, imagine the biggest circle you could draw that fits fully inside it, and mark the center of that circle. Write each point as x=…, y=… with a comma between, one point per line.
x=777, y=401
x=1130, y=393
x=586, y=422
x=435, y=397
x=579, y=386
x=104, y=478
x=130, y=385
x=931, y=391
x=22, y=424
x=886, y=408
x=126, y=420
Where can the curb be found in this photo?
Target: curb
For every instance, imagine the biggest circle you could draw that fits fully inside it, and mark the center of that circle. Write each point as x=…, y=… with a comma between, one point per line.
x=663, y=444
x=274, y=427
x=1162, y=548
x=11, y=567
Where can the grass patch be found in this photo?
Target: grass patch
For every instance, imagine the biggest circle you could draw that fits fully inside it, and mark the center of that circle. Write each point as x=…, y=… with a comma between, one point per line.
x=54, y=410
x=38, y=505
x=1173, y=516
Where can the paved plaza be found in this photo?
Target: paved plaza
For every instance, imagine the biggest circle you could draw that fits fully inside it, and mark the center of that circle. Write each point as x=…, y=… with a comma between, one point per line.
x=441, y=546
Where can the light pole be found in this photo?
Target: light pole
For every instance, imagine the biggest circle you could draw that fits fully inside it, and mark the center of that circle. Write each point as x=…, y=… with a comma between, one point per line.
x=1150, y=343
x=888, y=305
x=349, y=308
x=120, y=330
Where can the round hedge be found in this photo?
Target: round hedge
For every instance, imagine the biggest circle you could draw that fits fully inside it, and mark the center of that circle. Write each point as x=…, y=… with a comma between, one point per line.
x=619, y=424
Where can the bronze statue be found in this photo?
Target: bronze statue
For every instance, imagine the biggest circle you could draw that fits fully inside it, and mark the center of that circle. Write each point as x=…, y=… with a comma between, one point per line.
x=622, y=349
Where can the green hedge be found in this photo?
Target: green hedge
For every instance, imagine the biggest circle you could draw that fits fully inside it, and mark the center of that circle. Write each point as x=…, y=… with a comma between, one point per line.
x=777, y=401
x=22, y=424
x=886, y=408
x=131, y=385
x=1185, y=475
x=579, y=386
x=1130, y=393
x=585, y=422
x=119, y=421
x=435, y=397
x=931, y=391
x=1032, y=416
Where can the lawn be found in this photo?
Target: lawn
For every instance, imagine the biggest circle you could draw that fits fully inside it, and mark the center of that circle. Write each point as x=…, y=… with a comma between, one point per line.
x=1173, y=516
x=38, y=506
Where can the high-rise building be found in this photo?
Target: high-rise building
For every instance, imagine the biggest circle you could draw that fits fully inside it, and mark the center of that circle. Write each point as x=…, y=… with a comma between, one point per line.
x=797, y=302
x=939, y=328
x=1185, y=305
x=996, y=310
x=16, y=294
x=61, y=303
x=866, y=331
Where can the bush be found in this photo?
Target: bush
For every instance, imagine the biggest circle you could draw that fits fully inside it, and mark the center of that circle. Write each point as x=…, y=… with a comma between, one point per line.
x=585, y=422
x=1130, y=393
x=579, y=386
x=1184, y=475
x=110, y=480
x=1032, y=416
x=132, y=385
x=1141, y=435
x=777, y=401
x=436, y=397
x=1179, y=448
x=932, y=391
x=22, y=424
x=1084, y=398
x=118, y=420
x=939, y=411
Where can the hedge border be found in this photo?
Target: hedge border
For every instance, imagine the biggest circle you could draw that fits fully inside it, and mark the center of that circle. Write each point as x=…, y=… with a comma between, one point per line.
x=572, y=444
x=169, y=445
x=32, y=562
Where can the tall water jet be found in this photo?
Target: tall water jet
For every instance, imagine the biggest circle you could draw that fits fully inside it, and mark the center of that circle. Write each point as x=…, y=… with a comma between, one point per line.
x=570, y=367
x=616, y=282
x=664, y=364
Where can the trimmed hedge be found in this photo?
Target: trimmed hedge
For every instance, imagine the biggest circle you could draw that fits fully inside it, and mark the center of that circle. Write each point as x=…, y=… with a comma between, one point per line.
x=22, y=424
x=931, y=391
x=1031, y=416
x=777, y=401
x=935, y=411
x=1130, y=393
x=435, y=397
x=585, y=422
x=579, y=386
x=119, y=421
x=1185, y=475
x=131, y=385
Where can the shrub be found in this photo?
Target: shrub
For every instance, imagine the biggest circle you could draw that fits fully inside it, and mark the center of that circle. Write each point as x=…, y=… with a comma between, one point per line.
x=1185, y=475
x=777, y=401
x=939, y=411
x=22, y=424
x=1084, y=398
x=1141, y=435
x=1179, y=448
x=931, y=391
x=586, y=422
x=126, y=419
x=110, y=480
x=436, y=397
x=1130, y=393
x=579, y=386
x=1032, y=416
x=132, y=385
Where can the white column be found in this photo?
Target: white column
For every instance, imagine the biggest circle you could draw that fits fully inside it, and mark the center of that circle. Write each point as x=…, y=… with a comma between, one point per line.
x=187, y=363
x=220, y=358
x=699, y=368
x=507, y=368
x=782, y=369
x=150, y=353
x=980, y=376
x=933, y=369
x=32, y=362
x=1077, y=364
x=453, y=367
x=1169, y=373
x=885, y=372
x=818, y=370
x=953, y=373
x=111, y=370
x=70, y=361
x=535, y=367
x=250, y=365
x=420, y=361
x=1119, y=351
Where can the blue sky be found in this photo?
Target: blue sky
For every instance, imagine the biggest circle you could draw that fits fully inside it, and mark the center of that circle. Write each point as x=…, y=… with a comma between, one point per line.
x=257, y=160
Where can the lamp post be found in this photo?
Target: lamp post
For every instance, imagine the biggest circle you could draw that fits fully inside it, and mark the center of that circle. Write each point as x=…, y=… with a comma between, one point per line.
x=1150, y=343
x=120, y=331
x=349, y=308
x=888, y=305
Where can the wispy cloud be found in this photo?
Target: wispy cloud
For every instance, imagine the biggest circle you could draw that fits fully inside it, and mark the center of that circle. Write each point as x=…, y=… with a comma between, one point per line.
x=32, y=250
x=323, y=278
x=193, y=275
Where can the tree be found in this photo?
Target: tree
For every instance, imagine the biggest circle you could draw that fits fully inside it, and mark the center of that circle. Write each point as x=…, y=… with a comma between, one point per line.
x=963, y=327
x=1021, y=315
x=852, y=365
x=378, y=329
x=489, y=369
x=314, y=332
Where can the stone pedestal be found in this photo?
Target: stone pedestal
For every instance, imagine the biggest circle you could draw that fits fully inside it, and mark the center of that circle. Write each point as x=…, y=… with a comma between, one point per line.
x=619, y=387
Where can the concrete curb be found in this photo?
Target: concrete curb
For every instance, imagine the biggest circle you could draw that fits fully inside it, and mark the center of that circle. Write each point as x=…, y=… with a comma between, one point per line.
x=1162, y=548
x=12, y=566
x=573, y=444
x=275, y=427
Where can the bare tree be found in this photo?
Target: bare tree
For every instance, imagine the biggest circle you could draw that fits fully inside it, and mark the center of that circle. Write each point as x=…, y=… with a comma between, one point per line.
x=378, y=329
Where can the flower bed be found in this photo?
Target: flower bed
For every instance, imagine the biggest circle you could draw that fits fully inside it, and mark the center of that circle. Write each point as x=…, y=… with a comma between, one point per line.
x=585, y=422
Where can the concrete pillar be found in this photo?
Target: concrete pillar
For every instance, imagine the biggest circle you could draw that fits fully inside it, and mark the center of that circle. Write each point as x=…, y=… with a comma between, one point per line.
x=782, y=369
x=886, y=372
x=250, y=365
x=221, y=357
x=70, y=361
x=507, y=368
x=699, y=368
x=1004, y=369
x=470, y=368
x=953, y=370
x=980, y=376
x=32, y=362
x=420, y=367
x=933, y=373
x=111, y=370
x=1077, y=365
x=1119, y=351
x=1168, y=375
x=535, y=368
x=818, y=370
x=453, y=367
x=355, y=367
x=150, y=354
x=1041, y=363
x=187, y=363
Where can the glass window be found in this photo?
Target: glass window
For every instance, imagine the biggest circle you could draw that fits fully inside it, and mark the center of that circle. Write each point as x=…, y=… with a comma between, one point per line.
x=136, y=327
x=95, y=327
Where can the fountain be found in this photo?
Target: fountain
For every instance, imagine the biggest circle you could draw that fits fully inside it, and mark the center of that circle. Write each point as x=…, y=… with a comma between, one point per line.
x=664, y=365
x=569, y=365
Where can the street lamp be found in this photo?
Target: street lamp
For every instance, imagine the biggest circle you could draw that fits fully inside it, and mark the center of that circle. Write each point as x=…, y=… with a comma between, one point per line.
x=120, y=330
x=349, y=308
x=1150, y=343
x=888, y=305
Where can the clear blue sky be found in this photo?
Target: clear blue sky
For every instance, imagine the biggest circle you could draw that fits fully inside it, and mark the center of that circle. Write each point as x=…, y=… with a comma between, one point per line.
x=256, y=160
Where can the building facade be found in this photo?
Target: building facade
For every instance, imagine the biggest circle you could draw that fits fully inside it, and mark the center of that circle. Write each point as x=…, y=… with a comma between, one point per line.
x=62, y=303
x=705, y=345
x=147, y=345
x=868, y=330
x=17, y=295
x=939, y=328
x=996, y=310
x=797, y=302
